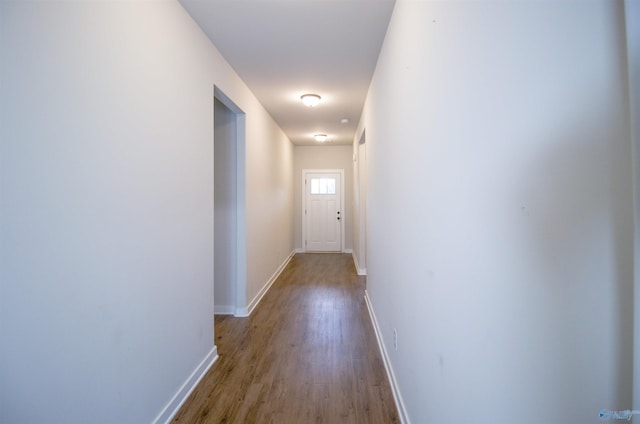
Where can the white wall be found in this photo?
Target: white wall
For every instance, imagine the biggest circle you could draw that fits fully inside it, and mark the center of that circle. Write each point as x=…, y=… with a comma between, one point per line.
x=269, y=203
x=106, y=213
x=323, y=157
x=500, y=209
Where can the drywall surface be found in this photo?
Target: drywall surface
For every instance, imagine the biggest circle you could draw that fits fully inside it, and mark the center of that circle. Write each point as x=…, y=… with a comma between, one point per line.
x=106, y=213
x=269, y=202
x=500, y=211
x=323, y=157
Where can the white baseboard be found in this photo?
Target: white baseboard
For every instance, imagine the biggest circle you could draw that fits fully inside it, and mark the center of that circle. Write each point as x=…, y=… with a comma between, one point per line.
x=402, y=411
x=301, y=250
x=224, y=309
x=359, y=270
x=245, y=312
x=183, y=393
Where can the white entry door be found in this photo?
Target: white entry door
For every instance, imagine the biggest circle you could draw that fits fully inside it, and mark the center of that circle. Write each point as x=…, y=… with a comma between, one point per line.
x=323, y=214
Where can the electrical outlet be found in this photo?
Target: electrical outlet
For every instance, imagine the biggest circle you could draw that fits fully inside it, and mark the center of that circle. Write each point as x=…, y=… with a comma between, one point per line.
x=395, y=339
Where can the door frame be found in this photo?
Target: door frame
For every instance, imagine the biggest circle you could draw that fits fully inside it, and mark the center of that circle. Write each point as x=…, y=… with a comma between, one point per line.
x=304, y=204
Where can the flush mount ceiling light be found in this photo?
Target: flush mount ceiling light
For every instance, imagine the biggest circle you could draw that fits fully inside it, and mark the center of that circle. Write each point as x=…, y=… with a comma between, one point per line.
x=310, y=100
x=320, y=137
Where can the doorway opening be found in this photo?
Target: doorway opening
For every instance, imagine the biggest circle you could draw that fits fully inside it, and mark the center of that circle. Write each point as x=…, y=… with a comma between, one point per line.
x=229, y=291
x=360, y=221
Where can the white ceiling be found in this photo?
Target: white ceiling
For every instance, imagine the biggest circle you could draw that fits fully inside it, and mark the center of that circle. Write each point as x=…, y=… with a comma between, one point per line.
x=285, y=48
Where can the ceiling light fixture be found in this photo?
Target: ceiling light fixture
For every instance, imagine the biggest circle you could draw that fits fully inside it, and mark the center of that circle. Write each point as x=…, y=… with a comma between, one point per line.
x=320, y=137
x=310, y=100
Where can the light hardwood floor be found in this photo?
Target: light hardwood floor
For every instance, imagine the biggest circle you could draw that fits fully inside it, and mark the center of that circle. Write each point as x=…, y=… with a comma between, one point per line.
x=307, y=354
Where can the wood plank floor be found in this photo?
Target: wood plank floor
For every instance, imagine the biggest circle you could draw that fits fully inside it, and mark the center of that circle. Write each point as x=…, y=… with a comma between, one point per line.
x=307, y=354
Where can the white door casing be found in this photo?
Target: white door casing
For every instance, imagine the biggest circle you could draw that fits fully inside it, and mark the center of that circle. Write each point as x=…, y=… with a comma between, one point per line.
x=323, y=216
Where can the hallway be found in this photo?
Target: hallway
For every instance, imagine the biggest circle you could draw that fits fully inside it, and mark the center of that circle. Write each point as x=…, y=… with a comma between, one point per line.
x=308, y=353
